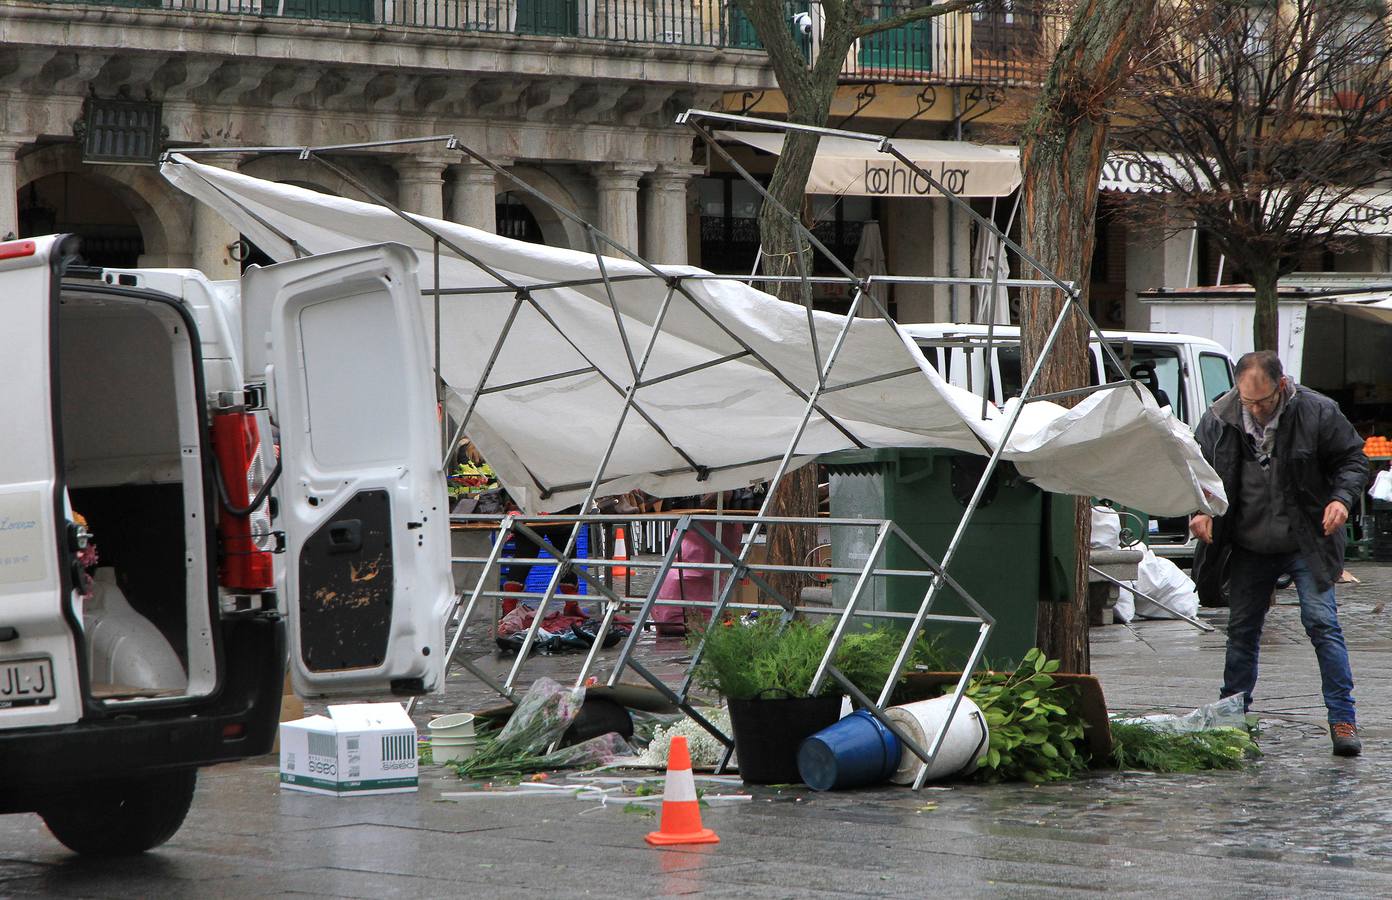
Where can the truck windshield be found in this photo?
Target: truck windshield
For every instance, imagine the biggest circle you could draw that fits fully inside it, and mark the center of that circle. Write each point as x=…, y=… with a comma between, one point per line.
x=1217, y=375
x=1156, y=367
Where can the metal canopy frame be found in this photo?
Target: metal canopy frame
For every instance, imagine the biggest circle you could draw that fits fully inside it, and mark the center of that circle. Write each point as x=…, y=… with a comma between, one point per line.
x=732, y=567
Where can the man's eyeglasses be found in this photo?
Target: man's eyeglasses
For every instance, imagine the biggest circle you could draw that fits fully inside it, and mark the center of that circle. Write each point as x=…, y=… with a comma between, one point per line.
x=1256, y=404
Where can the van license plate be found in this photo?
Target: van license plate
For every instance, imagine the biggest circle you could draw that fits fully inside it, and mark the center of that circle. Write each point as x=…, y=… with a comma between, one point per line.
x=25, y=681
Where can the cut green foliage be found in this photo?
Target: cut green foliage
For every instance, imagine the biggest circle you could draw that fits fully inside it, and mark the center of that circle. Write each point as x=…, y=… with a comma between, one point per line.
x=497, y=759
x=1036, y=734
x=767, y=658
x=1138, y=746
x=865, y=656
x=762, y=659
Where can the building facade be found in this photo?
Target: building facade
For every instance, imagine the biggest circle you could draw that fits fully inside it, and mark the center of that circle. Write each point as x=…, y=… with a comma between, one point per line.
x=575, y=97
x=579, y=103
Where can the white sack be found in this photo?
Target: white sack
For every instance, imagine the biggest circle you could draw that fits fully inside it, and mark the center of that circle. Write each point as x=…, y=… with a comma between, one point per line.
x=1382, y=486
x=1162, y=579
x=545, y=441
x=1106, y=528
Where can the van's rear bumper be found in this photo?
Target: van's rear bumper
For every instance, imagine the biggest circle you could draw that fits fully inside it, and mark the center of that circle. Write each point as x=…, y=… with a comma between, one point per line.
x=42, y=765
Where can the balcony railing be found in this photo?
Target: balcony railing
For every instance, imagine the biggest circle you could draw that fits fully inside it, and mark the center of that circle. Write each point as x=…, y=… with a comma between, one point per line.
x=1004, y=43
x=683, y=22
x=1009, y=41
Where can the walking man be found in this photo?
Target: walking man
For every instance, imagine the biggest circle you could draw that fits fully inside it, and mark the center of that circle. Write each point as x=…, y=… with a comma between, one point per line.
x=1293, y=468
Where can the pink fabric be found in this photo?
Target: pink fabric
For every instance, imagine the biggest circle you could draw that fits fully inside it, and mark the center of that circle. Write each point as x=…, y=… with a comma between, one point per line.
x=689, y=584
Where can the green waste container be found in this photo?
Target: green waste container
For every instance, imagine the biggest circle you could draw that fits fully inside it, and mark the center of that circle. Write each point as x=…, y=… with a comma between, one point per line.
x=1019, y=547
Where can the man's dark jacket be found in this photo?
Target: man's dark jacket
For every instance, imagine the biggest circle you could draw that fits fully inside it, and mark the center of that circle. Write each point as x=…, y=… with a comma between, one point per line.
x=1319, y=458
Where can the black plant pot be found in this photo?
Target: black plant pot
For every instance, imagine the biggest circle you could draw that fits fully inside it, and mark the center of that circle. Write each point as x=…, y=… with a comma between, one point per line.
x=768, y=732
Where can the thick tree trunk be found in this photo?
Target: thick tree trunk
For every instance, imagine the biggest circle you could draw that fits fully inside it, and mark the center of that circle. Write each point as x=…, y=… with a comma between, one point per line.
x=1266, y=322
x=1062, y=156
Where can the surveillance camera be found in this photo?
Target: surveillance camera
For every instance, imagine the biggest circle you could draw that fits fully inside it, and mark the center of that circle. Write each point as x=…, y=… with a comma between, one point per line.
x=803, y=23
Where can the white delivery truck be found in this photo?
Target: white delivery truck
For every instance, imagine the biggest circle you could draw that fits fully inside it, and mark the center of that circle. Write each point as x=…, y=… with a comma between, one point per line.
x=251, y=464
x=1183, y=372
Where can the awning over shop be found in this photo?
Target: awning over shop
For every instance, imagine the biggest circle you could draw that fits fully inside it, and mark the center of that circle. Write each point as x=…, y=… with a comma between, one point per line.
x=1132, y=173
x=723, y=390
x=858, y=168
x=1368, y=213
x=1379, y=311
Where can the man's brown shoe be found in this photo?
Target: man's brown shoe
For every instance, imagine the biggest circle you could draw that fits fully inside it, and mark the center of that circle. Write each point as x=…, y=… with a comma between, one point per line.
x=1346, y=742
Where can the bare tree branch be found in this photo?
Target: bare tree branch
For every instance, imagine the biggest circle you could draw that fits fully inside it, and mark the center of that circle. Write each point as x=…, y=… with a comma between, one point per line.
x=918, y=14
x=1261, y=125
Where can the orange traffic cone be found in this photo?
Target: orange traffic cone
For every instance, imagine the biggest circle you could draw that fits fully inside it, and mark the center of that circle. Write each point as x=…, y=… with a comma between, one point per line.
x=681, y=811
x=620, y=552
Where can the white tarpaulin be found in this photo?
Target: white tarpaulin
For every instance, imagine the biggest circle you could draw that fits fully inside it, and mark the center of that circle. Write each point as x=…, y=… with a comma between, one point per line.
x=730, y=422
x=858, y=168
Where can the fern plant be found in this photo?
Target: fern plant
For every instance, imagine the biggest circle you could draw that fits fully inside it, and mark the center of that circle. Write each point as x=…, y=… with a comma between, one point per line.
x=768, y=659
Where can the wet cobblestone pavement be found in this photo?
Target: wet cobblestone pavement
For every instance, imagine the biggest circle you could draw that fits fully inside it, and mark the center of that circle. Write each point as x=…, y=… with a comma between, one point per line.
x=1297, y=823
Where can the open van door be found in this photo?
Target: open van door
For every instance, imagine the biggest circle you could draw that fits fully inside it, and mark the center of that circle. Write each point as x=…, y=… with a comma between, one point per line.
x=362, y=499
x=39, y=663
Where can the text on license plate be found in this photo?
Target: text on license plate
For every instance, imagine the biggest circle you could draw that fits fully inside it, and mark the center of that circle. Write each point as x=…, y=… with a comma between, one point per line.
x=25, y=681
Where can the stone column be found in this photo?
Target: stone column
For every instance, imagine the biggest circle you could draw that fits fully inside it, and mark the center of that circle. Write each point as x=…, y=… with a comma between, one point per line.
x=475, y=201
x=1156, y=259
x=420, y=185
x=9, y=189
x=617, y=184
x=665, y=226
x=909, y=239
x=951, y=256
x=213, y=237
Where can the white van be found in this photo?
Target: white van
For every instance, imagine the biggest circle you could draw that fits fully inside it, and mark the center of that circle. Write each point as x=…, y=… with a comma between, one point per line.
x=1183, y=372
x=153, y=546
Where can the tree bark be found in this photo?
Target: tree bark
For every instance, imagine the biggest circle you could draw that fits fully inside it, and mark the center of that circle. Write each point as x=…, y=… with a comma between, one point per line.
x=1266, y=320
x=1061, y=156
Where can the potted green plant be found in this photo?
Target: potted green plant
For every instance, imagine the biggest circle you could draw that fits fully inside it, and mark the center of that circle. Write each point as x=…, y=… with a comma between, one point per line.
x=764, y=670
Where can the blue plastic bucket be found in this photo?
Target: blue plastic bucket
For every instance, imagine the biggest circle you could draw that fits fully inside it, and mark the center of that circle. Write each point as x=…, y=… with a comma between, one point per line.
x=856, y=751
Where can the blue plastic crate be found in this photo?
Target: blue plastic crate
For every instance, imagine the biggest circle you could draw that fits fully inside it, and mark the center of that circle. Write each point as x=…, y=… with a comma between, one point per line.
x=540, y=576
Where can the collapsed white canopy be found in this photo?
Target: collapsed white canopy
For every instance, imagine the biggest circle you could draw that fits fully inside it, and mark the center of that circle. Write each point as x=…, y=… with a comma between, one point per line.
x=696, y=429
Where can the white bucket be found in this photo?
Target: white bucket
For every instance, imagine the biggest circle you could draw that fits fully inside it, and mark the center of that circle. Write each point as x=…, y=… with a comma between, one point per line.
x=452, y=750
x=456, y=725
x=966, y=739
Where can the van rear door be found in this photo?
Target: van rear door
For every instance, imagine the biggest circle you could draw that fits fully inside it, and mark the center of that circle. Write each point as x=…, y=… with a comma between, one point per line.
x=39, y=681
x=362, y=496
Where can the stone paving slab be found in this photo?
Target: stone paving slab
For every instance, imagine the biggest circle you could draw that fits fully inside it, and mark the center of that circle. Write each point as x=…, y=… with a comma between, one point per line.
x=1298, y=822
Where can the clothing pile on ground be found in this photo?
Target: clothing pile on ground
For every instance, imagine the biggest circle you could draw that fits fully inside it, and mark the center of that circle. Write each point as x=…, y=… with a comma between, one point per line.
x=569, y=630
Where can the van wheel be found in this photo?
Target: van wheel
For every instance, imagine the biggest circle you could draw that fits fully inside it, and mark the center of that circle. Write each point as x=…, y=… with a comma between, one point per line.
x=123, y=818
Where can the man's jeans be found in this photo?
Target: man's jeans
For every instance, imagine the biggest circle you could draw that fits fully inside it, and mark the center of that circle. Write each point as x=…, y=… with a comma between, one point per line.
x=1253, y=578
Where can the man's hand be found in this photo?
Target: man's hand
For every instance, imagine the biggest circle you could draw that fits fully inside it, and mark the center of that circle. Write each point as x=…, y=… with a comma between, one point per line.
x=1201, y=526
x=1335, y=515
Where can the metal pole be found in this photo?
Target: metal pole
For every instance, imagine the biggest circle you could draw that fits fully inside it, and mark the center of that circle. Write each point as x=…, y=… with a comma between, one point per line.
x=648, y=602
x=1202, y=626
x=463, y=626
x=957, y=694
x=845, y=619
x=777, y=478
x=972, y=505
x=565, y=561
x=487, y=369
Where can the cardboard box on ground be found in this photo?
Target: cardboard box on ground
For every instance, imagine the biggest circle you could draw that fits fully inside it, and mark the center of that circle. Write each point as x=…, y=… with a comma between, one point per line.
x=356, y=750
x=747, y=591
